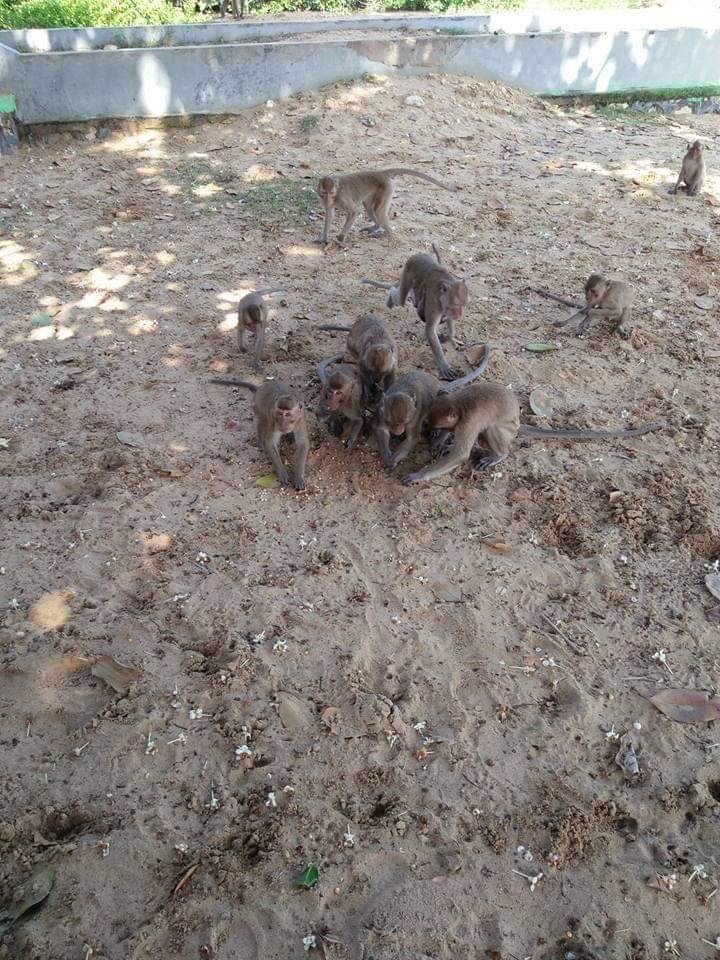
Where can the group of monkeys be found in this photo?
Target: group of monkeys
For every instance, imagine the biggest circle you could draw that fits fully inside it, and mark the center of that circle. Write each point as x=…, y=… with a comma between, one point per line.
x=457, y=416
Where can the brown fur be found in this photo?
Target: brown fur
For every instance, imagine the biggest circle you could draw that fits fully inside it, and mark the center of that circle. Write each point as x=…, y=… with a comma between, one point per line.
x=371, y=344
x=343, y=394
x=611, y=299
x=489, y=414
x=252, y=317
x=278, y=412
x=371, y=189
x=692, y=171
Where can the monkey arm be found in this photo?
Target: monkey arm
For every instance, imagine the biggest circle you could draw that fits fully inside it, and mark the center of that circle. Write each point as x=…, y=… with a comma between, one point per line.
x=357, y=425
x=259, y=344
x=382, y=435
x=302, y=447
x=464, y=441
x=412, y=438
x=271, y=449
x=574, y=316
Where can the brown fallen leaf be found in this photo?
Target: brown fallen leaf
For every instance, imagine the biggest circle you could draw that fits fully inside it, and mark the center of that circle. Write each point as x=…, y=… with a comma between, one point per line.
x=499, y=546
x=114, y=674
x=686, y=706
x=540, y=403
x=184, y=877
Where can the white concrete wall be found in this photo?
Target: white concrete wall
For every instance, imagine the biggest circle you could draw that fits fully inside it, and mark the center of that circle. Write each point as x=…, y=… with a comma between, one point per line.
x=230, y=77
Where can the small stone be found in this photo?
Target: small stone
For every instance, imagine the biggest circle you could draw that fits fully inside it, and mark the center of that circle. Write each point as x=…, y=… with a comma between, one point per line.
x=7, y=832
x=414, y=101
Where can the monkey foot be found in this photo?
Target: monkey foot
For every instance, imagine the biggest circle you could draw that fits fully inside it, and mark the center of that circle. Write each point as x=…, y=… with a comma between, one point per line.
x=483, y=462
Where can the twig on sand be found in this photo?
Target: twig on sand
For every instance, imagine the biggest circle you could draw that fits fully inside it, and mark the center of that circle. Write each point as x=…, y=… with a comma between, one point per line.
x=571, y=643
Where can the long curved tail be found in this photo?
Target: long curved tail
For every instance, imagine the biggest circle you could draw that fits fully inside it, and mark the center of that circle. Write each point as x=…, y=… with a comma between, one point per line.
x=324, y=364
x=334, y=326
x=527, y=431
x=253, y=387
x=378, y=283
x=468, y=378
x=266, y=290
x=407, y=172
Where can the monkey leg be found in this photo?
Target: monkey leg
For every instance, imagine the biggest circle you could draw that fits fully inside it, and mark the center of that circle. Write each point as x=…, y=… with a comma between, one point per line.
x=383, y=198
x=440, y=442
x=584, y=324
x=497, y=440
x=624, y=325
x=335, y=425
x=350, y=218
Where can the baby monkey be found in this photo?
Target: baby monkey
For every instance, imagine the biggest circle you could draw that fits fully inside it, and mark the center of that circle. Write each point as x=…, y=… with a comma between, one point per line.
x=692, y=171
x=343, y=394
x=488, y=413
x=604, y=298
x=404, y=409
x=253, y=316
x=278, y=412
x=371, y=189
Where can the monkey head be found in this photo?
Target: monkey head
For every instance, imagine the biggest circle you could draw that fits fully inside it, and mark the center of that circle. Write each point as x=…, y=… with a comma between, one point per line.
x=287, y=413
x=443, y=414
x=377, y=361
x=398, y=412
x=695, y=149
x=595, y=289
x=336, y=391
x=327, y=190
x=453, y=297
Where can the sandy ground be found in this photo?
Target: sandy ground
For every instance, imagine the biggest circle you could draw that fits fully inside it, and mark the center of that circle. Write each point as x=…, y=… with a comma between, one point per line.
x=425, y=678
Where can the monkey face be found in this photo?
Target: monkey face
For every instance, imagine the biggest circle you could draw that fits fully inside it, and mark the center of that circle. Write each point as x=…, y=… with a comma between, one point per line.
x=327, y=191
x=695, y=149
x=285, y=419
x=399, y=414
x=334, y=397
x=453, y=298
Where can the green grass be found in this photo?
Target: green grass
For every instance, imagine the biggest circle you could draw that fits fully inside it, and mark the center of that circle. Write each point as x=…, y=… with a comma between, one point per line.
x=634, y=118
x=291, y=201
x=309, y=122
x=27, y=14
x=642, y=94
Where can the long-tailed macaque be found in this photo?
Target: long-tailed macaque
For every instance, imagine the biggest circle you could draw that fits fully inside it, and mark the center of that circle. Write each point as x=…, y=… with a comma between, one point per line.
x=611, y=299
x=692, y=171
x=404, y=409
x=437, y=296
x=252, y=317
x=371, y=344
x=343, y=394
x=489, y=413
x=371, y=189
x=278, y=412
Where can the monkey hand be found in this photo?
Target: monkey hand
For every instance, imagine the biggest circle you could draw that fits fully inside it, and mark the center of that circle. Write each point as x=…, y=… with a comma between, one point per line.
x=447, y=372
x=411, y=478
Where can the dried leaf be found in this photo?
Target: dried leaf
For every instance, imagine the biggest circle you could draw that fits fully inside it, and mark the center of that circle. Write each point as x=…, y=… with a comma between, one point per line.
x=626, y=757
x=445, y=593
x=114, y=674
x=270, y=481
x=308, y=879
x=171, y=472
x=712, y=582
x=130, y=439
x=704, y=302
x=39, y=887
x=184, y=877
x=499, y=546
x=330, y=717
x=538, y=346
x=686, y=706
x=713, y=614
x=540, y=403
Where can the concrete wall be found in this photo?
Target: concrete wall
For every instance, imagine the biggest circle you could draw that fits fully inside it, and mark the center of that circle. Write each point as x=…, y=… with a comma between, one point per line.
x=227, y=78
x=8, y=60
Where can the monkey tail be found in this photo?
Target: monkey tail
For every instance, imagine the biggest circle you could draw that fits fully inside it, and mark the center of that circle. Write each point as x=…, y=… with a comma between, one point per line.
x=377, y=283
x=468, y=378
x=407, y=172
x=322, y=367
x=437, y=255
x=252, y=387
x=266, y=290
x=334, y=326
x=527, y=431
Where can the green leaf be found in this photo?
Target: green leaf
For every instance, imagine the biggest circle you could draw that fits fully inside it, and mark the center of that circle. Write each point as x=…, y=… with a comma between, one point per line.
x=308, y=879
x=538, y=346
x=41, y=319
x=270, y=481
x=39, y=885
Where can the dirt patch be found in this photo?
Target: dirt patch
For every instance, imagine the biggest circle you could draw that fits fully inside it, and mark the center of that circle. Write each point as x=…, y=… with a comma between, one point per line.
x=404, y=688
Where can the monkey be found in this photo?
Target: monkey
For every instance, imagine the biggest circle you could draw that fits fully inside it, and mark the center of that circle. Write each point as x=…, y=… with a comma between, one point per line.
x=343, y=394
x=604, y=298
x=490, y=413
x=404, y=409
x=371, y=188
x=252, y=316
x=278, y=411
x=437, y=296
x=371, y=344
x=692, y=170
